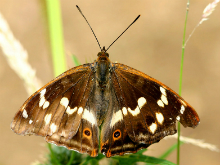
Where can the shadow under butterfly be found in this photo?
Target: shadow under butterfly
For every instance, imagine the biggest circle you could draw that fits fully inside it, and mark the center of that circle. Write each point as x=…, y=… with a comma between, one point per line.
x=132, y=109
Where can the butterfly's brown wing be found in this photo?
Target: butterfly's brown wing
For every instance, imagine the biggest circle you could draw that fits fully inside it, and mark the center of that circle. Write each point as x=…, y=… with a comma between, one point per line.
x=114, y=139
x=144, y=112
x=59, y=112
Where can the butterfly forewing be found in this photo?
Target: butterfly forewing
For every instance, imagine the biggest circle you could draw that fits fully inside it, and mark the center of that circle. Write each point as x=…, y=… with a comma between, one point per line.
x=165, y=98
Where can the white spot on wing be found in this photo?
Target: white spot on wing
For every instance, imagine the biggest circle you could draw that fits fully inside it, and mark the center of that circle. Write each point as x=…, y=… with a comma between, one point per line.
x=141, y=102
x=182, y=109
x=47, y=118
x=64, y=101
x=164, y=99
x=42, y=98
x=134, y=112
x=24, y=114
x=70, y=111
x=178, y=118
x=46, y=104
x=53, y=127
x=116, y=118
x=153, y=128
x=80, y=110
x=163, y=91
x=30, y=121
x=42, y=93
x=89, y=116
x=160, y=118
x=124, y=110
x=160, y=103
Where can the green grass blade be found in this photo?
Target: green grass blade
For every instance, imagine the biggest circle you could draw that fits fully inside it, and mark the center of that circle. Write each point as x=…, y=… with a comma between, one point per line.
x=135, y=158
x=170, y=150
x=71, y=158
x=75, y=60
x=139, y=157
x=52, y=155
x=57, y=49
x=56, y=36
x=180, y=81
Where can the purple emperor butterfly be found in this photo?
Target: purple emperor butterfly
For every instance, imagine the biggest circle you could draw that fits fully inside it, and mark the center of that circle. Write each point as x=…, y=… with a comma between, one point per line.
x=132, y=109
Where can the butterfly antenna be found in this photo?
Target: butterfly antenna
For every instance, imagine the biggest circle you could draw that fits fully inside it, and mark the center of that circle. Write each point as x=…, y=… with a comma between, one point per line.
x=124, y=31
x=89, y=25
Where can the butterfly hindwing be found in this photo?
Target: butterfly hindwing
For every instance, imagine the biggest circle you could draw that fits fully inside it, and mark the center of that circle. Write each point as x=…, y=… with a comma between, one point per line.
x=84, y=141
x=114, y=136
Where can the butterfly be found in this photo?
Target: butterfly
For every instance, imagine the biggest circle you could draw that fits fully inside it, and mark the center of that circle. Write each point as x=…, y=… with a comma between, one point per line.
x=103, y=104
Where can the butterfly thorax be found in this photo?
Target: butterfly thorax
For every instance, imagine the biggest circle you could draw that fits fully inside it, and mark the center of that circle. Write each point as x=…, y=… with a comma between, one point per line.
x=102, y=69
x=102, y=90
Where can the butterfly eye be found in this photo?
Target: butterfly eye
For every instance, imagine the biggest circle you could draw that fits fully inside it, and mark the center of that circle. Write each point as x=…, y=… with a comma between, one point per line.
x=117, y=134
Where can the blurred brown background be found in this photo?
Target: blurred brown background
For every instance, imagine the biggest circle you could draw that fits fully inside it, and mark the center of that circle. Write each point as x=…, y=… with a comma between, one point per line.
x=151, y=45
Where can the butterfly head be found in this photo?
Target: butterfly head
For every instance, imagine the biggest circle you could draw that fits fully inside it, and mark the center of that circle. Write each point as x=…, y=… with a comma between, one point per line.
x=103, y=55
